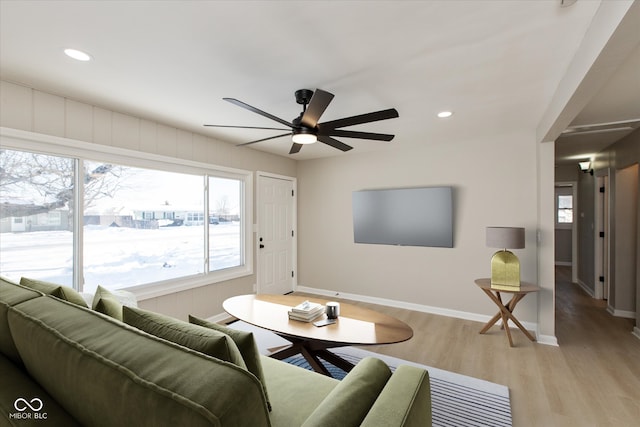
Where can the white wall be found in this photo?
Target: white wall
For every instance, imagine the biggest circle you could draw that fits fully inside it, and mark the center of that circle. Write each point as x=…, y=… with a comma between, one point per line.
x=35, y=111
x=626, y=214
x=495, y=184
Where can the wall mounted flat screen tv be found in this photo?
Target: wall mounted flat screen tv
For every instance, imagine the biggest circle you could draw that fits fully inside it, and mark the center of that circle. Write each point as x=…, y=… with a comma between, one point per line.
x=404, y=216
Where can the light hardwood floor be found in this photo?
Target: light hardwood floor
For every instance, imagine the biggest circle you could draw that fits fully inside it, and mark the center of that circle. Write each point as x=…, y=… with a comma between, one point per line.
x=591, y=379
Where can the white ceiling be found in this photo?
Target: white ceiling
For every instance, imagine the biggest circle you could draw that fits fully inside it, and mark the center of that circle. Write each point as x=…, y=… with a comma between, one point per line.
x=496, y=64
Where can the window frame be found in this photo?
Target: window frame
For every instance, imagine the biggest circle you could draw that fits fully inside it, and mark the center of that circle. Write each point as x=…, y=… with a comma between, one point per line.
x=559, y=209
x=559, y=192
x=80, y=151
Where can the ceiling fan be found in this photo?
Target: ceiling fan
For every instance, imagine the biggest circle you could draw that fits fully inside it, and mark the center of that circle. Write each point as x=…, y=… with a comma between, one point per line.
x=305, y=128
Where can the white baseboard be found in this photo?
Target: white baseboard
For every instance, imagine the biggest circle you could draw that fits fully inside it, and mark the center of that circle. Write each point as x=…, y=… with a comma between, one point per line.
x=621, y=313
x=585, y=288
x=547, y=340
x=636, y=332
x=530, y=326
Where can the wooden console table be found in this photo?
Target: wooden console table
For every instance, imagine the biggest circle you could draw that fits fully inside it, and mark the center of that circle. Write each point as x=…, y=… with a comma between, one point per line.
x=506, y=310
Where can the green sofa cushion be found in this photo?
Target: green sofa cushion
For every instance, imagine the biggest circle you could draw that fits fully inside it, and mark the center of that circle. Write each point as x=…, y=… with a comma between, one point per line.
x=246, y=344
x=198, y=338
x=348, y=404
x=21, y=386
x=11, y=294
x=296, y=391
x=63, y=292
x=106, y=303
x=404, y=402
x=106, y=373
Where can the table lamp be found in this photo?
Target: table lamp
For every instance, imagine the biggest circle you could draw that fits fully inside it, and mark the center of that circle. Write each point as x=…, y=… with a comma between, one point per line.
x=505, y=266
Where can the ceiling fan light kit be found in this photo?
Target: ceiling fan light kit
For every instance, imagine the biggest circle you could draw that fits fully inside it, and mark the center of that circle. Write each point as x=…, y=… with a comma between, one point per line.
x=305, y=128
x=304, y=136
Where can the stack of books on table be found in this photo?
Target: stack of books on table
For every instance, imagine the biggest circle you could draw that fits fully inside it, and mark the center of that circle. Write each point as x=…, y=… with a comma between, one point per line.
x=306, y=312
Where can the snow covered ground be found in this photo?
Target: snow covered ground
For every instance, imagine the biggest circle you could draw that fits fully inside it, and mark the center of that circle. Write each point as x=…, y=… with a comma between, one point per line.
x=119, y=257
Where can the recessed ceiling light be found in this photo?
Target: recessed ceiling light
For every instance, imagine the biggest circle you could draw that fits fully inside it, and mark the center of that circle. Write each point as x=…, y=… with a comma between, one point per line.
x=77, y=54
x=445, y=114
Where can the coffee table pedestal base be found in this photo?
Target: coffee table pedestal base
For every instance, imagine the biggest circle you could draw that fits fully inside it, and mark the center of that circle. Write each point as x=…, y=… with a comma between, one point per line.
x=313, y=351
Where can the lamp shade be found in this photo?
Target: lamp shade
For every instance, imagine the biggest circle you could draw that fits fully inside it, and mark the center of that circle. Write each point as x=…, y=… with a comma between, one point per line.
x=505, y=237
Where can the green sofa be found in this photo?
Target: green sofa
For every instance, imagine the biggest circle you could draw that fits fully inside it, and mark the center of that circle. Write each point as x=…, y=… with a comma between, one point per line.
x=62, y=364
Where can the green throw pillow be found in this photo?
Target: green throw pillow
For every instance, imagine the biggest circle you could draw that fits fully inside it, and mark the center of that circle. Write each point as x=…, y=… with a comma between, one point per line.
x=110, y=307
x=63, y=292
x=207, y=341
x=349, y=403
x=247, y=346
x=106, y=303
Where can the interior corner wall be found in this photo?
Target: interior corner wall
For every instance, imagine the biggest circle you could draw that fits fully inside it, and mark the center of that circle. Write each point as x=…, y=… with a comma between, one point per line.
x=626, y=217
x=494, y=184
x=546, y=242
x=31, y=110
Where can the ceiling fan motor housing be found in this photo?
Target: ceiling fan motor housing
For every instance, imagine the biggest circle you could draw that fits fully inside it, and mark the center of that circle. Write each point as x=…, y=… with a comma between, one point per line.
x=303, y=96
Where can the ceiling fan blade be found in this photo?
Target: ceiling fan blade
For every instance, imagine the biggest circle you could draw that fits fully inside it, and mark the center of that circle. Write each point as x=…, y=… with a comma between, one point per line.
x=295, y=148
x=242, y=127
x=334, y=143
x=264, y=139
x=319, y=102
x=360, y=135
x=258, y=111
x=391, y=113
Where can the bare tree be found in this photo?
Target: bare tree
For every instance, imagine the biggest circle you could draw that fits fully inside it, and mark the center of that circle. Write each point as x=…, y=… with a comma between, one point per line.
x=222, y=206
x=32, y=183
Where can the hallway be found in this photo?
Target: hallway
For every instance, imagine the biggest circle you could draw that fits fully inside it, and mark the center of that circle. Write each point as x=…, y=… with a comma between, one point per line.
x=582, y=320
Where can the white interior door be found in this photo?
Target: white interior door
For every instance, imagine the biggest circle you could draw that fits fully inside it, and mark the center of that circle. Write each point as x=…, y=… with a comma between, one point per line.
x=276, y=234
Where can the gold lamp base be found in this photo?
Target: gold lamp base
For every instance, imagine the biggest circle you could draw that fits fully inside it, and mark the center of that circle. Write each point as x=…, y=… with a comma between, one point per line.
x=505, y=270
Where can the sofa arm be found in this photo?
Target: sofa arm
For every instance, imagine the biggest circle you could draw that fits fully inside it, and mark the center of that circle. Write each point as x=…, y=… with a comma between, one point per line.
x=404, y=402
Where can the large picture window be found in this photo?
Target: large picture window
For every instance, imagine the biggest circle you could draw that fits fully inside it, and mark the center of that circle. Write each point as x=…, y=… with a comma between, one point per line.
x=146, y=227
x=141, y=226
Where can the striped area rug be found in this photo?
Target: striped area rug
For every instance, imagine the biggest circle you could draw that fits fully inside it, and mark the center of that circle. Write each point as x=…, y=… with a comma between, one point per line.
x=456, y=400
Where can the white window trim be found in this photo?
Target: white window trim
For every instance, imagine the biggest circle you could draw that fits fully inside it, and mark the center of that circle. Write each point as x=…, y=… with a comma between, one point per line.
x=16, y=139
x=557, y=193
